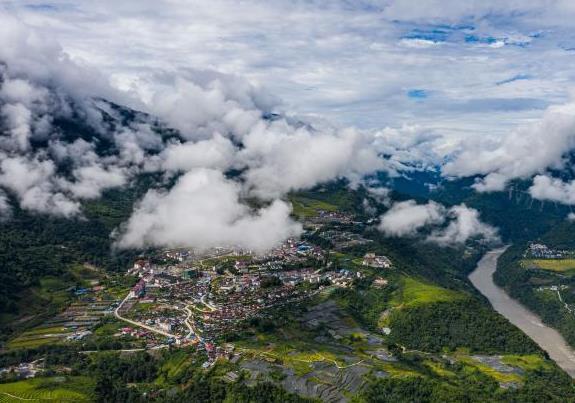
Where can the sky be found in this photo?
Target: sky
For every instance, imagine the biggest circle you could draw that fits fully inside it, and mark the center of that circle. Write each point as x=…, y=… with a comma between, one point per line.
x=290, y=94
x=473, y=68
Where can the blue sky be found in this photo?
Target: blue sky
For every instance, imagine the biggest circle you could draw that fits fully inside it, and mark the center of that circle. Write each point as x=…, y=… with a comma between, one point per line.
x=458, y=68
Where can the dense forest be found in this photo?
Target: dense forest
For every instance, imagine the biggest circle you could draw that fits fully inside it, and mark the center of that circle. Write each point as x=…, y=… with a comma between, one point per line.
x=34, y=246
x=543, y=386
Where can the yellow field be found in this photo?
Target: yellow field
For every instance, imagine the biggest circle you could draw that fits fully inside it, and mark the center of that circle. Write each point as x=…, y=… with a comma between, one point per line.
x=558, y=265
x=414, y=292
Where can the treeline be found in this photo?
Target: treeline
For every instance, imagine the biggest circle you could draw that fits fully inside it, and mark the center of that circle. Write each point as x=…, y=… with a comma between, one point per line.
x=33, y=246
x=115, y=376
x=450, y=325
x=549, y=385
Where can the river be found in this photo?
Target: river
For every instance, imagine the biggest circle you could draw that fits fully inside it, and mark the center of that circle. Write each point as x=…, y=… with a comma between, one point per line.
x=548, y=338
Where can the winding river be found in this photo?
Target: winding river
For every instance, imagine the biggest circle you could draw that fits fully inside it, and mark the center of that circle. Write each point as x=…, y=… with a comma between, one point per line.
x=548, y=338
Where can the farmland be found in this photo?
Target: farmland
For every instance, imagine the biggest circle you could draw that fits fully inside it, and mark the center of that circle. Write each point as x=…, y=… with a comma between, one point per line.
x=60, y=389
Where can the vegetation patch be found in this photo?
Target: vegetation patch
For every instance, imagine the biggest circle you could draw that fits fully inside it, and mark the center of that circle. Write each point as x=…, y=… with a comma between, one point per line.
x=530, y=362
x=414, y=292
x=557, y=265
x=59, y=389
x=307, y=207
x=435, y=327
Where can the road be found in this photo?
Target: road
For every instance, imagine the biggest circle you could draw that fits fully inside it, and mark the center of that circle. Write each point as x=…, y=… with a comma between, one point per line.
x=139, y=324
x=189, y=325
x=546, y=337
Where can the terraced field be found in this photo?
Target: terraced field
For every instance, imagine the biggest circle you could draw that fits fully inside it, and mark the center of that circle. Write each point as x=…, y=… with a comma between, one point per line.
x=39, y=336
x=57, y=389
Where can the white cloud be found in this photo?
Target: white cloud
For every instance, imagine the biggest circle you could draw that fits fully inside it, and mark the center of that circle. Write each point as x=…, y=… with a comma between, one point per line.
x=519, y=154
x=454, y=225
x=407, y=218
x=217, y=152
x=464, y=224
x=361, y=62
x=91, y=180
x=224, y=123
x=5, y=208
x=281, y=158
x=31, y=181
x=547, y=188
x=203, y=209
x=345, y=60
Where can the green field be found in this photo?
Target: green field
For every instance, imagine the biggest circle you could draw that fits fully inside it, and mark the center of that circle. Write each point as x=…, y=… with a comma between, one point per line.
x=174, y=367
x=306, y=207
x=472, y=365
x=414, y=292
x=55, y=389
x=566, y=266
x=526, y=362
x=110, y=328
x=38, y=336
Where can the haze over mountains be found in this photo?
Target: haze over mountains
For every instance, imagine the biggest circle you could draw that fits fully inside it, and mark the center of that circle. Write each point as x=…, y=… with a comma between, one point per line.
x=283, y=200
x=64, y=142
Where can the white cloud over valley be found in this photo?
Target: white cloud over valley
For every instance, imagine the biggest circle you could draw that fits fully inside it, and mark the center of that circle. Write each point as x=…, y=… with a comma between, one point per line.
x=370, y=86
x=444, y=226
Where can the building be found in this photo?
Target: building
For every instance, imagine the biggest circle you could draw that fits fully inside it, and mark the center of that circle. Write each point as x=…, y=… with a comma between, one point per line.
x=372, y=260
x=139, y=290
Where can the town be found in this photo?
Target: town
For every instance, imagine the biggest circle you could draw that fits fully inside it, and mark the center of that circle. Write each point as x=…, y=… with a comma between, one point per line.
x=189, y=297
x=192, y=297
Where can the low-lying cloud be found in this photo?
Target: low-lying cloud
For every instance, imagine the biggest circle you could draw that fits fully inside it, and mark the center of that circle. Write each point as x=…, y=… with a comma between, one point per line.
x=221, y=123
x=445, y=226
x=407, y=218
x=548, y=188
x=204, y=209
x=521, y=153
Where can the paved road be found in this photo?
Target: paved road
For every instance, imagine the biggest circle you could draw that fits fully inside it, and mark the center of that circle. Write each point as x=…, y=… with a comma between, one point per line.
x=548, y=338
x=132, y=322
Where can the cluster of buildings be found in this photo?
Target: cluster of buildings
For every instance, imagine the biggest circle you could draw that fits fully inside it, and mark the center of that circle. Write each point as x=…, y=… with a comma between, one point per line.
x=542, y=251
x=23, y=370
x=293, y=251
x=373, y=260
x=343, y=239
x=324, y=217
x=213, y=292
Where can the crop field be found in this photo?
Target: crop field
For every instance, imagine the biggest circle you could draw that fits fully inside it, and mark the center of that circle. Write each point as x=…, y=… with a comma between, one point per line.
x=57, y=389
x=472, y=365
x=305, y=207
x=526, y=362
x=39, y=336
x=565, y=266
x=414, y=292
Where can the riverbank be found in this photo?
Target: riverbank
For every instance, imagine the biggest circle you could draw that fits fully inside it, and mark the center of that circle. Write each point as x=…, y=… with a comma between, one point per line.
x=546, y=337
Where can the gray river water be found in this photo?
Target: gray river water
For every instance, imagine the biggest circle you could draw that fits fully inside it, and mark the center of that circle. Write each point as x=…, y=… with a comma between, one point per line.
x=548, y=338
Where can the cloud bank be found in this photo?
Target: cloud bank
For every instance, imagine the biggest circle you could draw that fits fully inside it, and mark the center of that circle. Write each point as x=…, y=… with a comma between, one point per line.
x=221, y=123
x=521, y=153
x=203, y=209
x=449, y=226
x=547, y=188
x=407, y=218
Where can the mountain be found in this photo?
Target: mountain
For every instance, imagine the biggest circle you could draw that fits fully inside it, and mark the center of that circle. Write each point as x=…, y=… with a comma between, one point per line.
x=77, y=174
